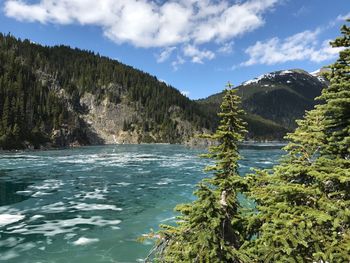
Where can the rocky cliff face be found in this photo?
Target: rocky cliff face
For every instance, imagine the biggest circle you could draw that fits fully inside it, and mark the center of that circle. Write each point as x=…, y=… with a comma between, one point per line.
x=106, y=119
x=104, y=123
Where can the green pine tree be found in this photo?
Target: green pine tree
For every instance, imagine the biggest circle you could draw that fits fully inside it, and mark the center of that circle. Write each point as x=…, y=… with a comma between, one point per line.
x=337, y=97
x=210, y=229
x=6, y=115
x=303, y=204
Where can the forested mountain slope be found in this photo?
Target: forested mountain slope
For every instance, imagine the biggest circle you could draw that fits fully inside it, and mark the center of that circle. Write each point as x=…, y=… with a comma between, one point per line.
x=58, y=96
x=274, y=101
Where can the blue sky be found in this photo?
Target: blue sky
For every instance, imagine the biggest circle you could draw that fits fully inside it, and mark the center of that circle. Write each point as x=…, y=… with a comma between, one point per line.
x=194, y=45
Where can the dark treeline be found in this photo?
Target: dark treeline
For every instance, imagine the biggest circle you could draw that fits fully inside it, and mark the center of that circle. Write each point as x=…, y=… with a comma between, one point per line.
x=41, y=87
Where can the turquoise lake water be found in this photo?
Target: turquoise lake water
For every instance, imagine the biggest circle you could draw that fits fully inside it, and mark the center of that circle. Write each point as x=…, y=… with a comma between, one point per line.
x=90, y=204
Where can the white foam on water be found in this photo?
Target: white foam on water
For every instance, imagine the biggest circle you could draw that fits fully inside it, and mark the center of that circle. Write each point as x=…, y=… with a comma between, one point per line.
x=9, y=210
x=185, y=185
x=69, y=236
x=48, y=241
x=98, y=194
x=90, y=207
x=16, y=226
x=8, y=255
x=54, y=208
x=16, y=251
x=110, y=159
x=45, y=188
x=172, y=164
x=49, y=184
x=10, y=242
x=85, y=241
x=35, y=217
x=40, y=194
x=6, y=219
x=264, y=162
x=62, y=207
x=25, y=192
x=165, y=181
x=162, y=183
x=123, y=184
x=56, y=227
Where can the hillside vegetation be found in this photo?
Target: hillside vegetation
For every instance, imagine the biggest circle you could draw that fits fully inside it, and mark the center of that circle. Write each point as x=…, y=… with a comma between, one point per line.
x=274, y=101
x=60, y=96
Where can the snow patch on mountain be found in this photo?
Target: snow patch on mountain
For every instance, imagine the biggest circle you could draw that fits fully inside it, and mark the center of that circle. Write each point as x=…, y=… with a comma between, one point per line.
x=285, y=72
x=267, y=76
x=258, y=79
x=315, y=73
x=319, y=74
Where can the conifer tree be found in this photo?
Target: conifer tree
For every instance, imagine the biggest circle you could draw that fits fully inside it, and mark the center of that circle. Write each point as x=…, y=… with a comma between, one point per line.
x=337, y=96
x=210, y=229
x=303, y=206
x=6, y=114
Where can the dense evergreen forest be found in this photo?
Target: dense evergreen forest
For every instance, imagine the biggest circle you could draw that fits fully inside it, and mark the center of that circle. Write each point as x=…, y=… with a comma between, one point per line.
x=41, y=90
x=300, y=208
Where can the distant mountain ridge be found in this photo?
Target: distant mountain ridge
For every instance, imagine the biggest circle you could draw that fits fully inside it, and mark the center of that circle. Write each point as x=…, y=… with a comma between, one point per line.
x=274, y=101
x=59, y=97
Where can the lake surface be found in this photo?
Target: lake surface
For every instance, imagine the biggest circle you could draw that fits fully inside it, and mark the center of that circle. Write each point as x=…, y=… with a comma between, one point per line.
x=90, y=204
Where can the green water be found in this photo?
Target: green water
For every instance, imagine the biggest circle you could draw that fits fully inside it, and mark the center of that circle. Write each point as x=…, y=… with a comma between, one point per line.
x=90, y=204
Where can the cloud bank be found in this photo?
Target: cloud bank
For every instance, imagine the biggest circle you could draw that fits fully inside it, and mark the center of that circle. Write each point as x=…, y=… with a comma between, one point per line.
x=301, y=46
x=184, y=24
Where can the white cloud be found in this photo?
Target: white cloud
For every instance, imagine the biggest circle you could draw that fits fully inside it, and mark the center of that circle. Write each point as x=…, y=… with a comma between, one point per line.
x=301, y=46
x=226, y=48
x=301, y=11
x=176, y=63
x=147, y=23
x=197, y=56
x=325, y=52
x=165, y=54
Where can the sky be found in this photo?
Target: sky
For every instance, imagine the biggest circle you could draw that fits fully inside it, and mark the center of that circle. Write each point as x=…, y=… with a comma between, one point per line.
x=196, y=46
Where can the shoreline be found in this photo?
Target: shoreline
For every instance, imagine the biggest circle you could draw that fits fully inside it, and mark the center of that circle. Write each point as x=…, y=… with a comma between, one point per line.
x=243, y=144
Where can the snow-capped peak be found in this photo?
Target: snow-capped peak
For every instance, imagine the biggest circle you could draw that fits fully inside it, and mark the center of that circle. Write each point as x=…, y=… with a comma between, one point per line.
x=284, y=72
x=318, y=74
x=257, y=79
x=267, y=76
x=315, y=73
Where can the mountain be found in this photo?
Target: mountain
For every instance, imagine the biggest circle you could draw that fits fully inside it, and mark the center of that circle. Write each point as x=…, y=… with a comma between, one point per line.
x=320, y=74
x=59, y=96
x=274, y=101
